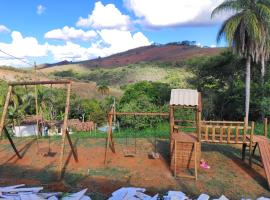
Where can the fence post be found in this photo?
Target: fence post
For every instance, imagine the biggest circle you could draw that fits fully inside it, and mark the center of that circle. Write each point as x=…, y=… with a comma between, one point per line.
x=265, y=125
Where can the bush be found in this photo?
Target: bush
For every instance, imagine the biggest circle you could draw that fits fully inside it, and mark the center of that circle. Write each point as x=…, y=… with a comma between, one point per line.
x=144, y=97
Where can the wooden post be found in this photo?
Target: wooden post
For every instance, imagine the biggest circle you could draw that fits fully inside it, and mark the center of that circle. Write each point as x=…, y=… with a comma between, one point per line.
x=175, y=159
x=229, y=134
x=36, y=102
x=251, y=142
x=213, y=133
x=5, y=109
x=37, y=112
x=265, y=125
x=64, y=133
x=199, y=115
x=12, y=143
x=171, y=121
x=236, y=134
x=195, y=161
x=109, y=140
x=245, y=130
x=221, y=134
x=71, y=146
x=111, y=134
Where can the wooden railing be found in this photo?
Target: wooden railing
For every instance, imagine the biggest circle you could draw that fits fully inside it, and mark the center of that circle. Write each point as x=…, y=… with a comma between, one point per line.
x=230, y=132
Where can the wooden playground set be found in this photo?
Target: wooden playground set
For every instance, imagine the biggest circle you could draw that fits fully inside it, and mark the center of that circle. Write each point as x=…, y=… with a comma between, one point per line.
x=186, y=135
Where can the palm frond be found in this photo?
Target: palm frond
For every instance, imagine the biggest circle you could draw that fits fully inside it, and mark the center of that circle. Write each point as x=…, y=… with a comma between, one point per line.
x=229, y=27
x=229, y=5
x=252, y=25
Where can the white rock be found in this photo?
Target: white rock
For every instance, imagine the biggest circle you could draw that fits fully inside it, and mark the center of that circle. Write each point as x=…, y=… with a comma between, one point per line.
x=203, y=197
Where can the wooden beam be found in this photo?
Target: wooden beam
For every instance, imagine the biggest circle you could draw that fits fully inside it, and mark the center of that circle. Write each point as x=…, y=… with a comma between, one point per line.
x=39, y=83
x=186, y=107
x=71, y=146
x=64, y=133
x=140, y=113
x=223, y=122
x=5, y=109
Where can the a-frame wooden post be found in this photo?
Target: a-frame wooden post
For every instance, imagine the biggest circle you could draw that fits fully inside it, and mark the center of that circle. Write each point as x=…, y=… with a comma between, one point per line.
x=5, y=109
x=3, y=119
x=66, y=133
x=109, y=141
x=12, y=143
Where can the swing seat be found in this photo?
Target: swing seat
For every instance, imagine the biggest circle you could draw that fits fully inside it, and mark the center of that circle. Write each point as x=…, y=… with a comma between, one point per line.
x=45, y=151
x=129, y=153
x=154, y=155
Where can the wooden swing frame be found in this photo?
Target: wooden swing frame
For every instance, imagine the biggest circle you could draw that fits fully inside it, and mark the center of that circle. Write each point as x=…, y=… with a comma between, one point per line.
x=65, y=132
x=110, y=141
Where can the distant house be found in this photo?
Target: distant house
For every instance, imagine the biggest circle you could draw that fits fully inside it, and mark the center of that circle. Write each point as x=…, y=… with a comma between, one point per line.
x=25, y=130
x=28, y=127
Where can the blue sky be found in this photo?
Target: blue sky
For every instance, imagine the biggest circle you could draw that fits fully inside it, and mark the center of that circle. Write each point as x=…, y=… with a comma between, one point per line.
x=74, y=30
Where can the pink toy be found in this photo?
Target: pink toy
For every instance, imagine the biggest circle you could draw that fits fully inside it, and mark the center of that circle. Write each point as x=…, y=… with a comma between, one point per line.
x=204, y=165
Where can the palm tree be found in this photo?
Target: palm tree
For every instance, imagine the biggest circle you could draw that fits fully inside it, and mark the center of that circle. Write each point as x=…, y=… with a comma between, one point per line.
x=246, y=32
x=103, y=89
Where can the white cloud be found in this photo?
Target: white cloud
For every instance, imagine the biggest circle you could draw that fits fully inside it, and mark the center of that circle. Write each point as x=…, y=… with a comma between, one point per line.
x=69, y=51
x=40, y=9
x=110, y=41
x=160, y=13
x=13, y=62
x=70, y=33
x=118, y=40
x=106, y=42
x=105, y=17
x=4, y=29
x=22, y=48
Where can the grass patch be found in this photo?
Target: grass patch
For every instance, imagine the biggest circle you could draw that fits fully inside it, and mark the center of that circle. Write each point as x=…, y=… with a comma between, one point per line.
x=46, y=175
x=160, y=131
x=73, y=178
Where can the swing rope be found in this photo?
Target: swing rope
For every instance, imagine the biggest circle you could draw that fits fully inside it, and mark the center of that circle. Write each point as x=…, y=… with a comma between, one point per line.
x=37, y=120
x=127, y=152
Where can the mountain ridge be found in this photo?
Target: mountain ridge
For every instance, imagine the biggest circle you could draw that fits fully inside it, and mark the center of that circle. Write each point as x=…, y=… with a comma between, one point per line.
x=172, y=52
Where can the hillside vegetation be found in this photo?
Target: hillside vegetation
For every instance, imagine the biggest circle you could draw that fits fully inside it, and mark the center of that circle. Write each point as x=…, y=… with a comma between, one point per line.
x=122, y=76
x=220, y=78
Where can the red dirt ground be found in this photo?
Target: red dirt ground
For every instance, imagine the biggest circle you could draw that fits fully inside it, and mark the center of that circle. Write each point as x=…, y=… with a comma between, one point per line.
x=228, y=174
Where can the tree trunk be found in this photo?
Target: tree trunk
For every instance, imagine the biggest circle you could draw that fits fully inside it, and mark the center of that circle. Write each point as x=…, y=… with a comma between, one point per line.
x=247, y=101
x=262, y=70
x=262, y=84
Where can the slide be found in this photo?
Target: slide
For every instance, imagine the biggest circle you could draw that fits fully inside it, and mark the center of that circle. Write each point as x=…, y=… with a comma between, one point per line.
x=264, y=147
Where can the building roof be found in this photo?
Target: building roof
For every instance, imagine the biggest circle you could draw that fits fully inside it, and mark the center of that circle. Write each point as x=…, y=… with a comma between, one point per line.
x=184, y=97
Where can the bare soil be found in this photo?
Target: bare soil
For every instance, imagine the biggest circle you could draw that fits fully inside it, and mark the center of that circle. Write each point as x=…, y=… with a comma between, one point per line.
x=228, y=175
